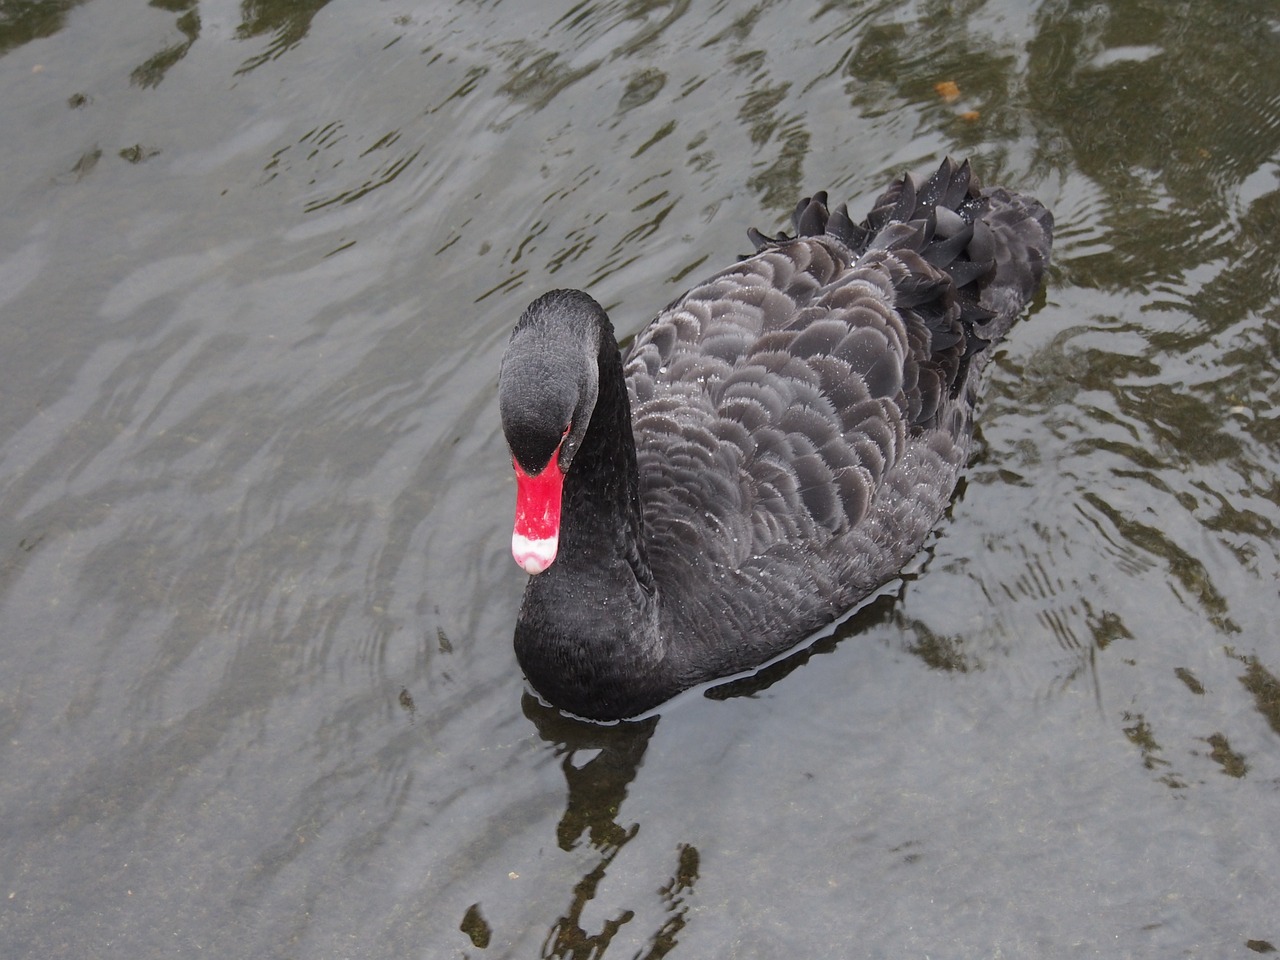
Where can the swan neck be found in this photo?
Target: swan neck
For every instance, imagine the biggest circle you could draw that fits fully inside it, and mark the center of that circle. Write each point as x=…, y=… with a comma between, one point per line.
x=602, y=488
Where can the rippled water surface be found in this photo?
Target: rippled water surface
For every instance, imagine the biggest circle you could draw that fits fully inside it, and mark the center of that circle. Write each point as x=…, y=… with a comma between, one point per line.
x=257, y=694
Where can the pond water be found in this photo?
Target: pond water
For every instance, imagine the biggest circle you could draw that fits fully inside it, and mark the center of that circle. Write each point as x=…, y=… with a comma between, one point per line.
x=258, y=263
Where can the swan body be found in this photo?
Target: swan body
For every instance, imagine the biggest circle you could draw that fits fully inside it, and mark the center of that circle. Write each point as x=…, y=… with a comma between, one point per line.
x=772, y=448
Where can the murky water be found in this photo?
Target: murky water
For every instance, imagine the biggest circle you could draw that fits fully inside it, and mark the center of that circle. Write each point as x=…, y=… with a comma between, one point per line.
x=257, y=695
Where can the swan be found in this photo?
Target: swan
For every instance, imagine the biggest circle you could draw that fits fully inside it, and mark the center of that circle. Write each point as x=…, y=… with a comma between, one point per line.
x=774, y=446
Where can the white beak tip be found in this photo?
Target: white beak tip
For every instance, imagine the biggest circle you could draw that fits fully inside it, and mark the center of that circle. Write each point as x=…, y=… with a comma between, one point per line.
x=533, y=556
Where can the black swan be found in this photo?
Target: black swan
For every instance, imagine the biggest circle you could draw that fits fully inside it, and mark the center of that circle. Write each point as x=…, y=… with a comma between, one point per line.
x=772, y=448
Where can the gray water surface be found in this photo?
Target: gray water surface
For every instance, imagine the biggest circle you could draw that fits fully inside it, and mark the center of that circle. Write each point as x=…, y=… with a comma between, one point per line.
x=258, y=263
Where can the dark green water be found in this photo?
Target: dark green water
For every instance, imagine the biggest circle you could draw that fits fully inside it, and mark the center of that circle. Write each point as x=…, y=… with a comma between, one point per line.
x=258, y=263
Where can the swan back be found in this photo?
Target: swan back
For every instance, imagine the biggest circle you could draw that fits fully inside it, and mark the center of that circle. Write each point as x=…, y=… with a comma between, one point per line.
x=801, y=417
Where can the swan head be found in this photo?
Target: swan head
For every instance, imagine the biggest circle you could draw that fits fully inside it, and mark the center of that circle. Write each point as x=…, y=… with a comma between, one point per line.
x=547, y=392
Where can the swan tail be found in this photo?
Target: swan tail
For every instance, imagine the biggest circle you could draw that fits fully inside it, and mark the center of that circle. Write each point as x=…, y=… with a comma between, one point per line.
x=963, y=262
x=994, y=244
x=1022, y=237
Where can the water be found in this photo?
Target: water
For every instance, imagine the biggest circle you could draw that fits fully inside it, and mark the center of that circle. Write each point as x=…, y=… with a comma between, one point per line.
x=257, y=695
